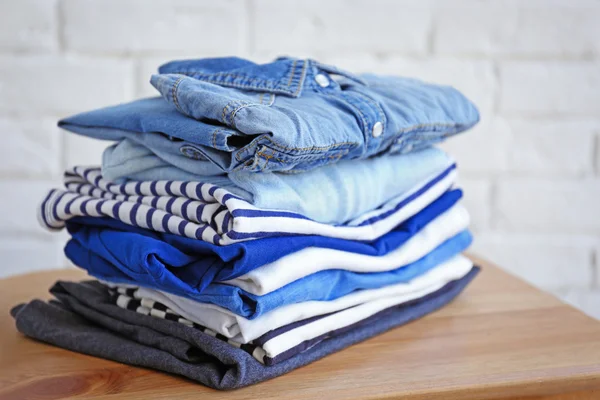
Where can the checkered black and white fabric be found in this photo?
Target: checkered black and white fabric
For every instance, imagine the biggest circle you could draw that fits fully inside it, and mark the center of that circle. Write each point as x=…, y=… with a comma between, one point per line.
x=124, y=298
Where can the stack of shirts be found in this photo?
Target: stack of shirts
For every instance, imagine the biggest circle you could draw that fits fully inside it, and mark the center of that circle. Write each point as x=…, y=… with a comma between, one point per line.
x=256, y=218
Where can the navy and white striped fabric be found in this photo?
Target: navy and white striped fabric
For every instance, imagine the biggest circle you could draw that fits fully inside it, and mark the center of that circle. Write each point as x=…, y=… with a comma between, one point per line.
x=206, y=212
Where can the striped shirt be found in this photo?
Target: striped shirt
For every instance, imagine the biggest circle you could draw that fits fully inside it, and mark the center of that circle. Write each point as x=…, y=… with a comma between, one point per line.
x=206, y=212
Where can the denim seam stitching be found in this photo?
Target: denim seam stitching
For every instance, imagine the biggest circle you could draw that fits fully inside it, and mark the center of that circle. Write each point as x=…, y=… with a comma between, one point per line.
x=358, y=111
x=204, y=77
x=225, y=109
x=376, y=106
x=302, y=76
x=223, y=114
x=288, y=148
x=234, y=112
x=267, y=157
x=214, y=137
x=429, y=124
x=269, y=102
x=283, y=148
x=292, y=72
x=174, y=89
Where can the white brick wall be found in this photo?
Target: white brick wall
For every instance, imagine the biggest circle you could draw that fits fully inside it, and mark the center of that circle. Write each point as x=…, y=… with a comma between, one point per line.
x=124, y=27
x=531, y=169
x=318, y=27
x=546, y=205
x=550, y=88
x=33, y=150
x=517, y=28
x=552, y=147
x=30, y=26
x=62, y=84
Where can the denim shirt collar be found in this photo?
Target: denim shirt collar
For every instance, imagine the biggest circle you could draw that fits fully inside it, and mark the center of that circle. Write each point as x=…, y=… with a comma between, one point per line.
x=285, y=75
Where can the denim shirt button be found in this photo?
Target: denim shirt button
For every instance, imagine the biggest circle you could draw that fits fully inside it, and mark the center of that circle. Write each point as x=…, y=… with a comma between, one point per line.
x=322, y=80
x=377, y=129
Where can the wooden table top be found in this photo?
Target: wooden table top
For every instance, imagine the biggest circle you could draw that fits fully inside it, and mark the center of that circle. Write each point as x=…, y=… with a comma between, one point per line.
x=500, y=339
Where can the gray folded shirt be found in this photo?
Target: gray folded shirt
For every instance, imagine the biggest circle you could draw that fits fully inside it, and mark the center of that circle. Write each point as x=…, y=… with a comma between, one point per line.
x=85, y=319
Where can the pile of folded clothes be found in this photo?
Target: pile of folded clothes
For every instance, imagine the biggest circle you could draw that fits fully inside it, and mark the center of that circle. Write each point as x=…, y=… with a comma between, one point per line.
x=256, y=218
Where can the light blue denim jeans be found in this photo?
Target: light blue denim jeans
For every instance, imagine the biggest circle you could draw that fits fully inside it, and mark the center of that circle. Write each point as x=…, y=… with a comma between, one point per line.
x=290, y=114
x=332, y=194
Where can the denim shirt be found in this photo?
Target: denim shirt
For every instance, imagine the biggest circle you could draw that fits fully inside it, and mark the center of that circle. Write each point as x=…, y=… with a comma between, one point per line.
x=290, y=114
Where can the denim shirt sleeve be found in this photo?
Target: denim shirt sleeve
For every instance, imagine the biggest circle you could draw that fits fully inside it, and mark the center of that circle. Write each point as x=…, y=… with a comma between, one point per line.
x=294, y=114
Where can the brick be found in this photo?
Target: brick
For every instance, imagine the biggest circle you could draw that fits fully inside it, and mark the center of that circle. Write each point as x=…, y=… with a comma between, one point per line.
x=32, y=149
x=477, y=199
x=364, y=62
x=313, y=27
x=548, y=205
x=596, y=283
x=529, y=147
x=82, y=150
x=530, y=29
x=483, y=149
x=61, y=85
x=475, y=79
x=551, y=147
x=587, y=301
x=20, y=202
x=597, y=154
x=550, y=262
x=550, y=88
x=28, y=25
x=182, y=27
x=20, y=256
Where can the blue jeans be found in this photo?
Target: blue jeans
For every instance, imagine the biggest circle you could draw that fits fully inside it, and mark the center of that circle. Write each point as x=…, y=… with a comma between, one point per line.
x=286, y=115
